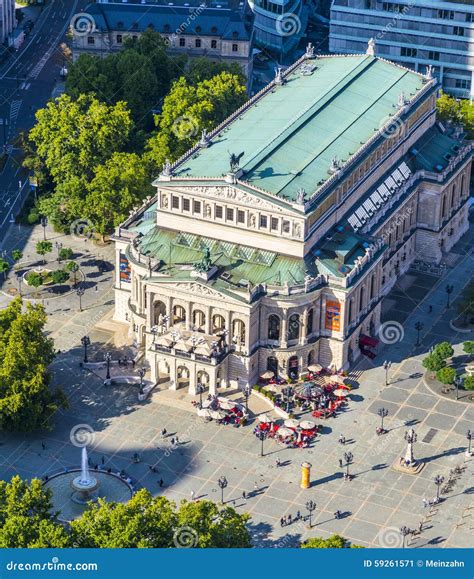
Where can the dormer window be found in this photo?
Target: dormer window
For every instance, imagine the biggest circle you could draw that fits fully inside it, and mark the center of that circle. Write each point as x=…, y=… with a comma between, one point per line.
x=214, y=30
x=235, y=34
x=120, y=25
x=198, y=29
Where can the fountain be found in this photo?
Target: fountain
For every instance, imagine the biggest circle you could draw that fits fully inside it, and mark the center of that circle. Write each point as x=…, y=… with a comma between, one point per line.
x=84, y=485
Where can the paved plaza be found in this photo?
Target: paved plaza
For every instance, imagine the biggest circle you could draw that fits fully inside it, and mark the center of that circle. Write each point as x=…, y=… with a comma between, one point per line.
x=375, y=504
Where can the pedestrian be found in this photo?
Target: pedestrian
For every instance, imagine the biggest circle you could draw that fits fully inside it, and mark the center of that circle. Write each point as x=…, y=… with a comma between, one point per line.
x=282, y=523
x=430, y=309
x=278, y=463
x=289, y=519
x=255, y=486
x=425, y=503
x=244, y=495
x=298, y=515
x=340, y=462
x=133, y=362
x=337, y=514
x=420, y=527
x=172, y=442
x=43, y=445
x=161, y=482
x=193, y=495
x=342, y=440
x=177, y=440
x=163, y=432
x=96, y=288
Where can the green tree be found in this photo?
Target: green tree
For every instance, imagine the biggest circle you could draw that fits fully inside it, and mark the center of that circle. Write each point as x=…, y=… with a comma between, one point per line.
x=469, y=382
x=434, y=362
x=468, y=347
x=17, y=255
x=26, y=518
x=187, y=110
x=155, y=522
x=44, y=247
x=4, y=267
x=456, y=111
x=465, y=305
x=26, y=401
x=59, y=276
x=444, y=350
x=332, y=542
x=203, y=68
x=65, y=253
x=119, y=184
x=446, y=375
x=73, y=268
x=34, y=279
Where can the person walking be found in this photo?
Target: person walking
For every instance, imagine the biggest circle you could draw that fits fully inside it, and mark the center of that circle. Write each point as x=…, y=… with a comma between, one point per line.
x=193, y=495
x=341, y=439
x=244, y=495
x=278, y=462
x=430, y=309
x=163, y=432
x=340, y=463
x=43, y=446
x=425, y=503
x=161, y=482
x=255, y=486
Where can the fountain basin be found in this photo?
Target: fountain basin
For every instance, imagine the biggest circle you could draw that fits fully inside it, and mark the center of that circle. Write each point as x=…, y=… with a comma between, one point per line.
x=84, y=490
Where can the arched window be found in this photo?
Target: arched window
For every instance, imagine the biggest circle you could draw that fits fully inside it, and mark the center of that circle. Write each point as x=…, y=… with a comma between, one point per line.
x=294, y=327
x=203, y=378
x=310, y=358
x=218, y=323
x=309, y=327
x=159, y=309
x=238, y=331
x=272, y=365
x=179, y=315
x=199, y=321
x=273, y=327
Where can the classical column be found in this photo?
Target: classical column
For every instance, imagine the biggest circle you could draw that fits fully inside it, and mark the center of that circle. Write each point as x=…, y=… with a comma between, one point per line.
x=284, y=330
x=189, y=308
x=173, y=377
x=192, y=381
x=208, y=326
x=303, y=327
x=212, y=382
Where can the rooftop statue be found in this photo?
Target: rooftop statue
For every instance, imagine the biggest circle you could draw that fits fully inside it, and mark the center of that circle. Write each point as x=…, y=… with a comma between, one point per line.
x=205, y=264
x=234, y=161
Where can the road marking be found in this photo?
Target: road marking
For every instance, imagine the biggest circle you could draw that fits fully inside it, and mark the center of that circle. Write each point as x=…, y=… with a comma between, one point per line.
x=14, y=109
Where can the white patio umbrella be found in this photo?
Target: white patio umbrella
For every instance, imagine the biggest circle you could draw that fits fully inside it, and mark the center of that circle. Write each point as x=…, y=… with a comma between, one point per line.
x=206, y=403
x=285, y=432
x=308, y=424
x=271, y=388
x=264, y=418
x=315, y=368
x=217, y=414
x=340, y=392
x=337, y=378
x=226, y=404
x=165, y=340
x=291, y=423
x=268, y=375
x=204, y=412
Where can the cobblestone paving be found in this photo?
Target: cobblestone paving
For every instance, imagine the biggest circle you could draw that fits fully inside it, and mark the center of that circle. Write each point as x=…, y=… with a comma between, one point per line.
x=374, y=504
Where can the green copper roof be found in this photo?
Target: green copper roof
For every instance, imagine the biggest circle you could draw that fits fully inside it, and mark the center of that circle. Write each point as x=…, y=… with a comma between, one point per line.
x=290, y=135
x=434, y=150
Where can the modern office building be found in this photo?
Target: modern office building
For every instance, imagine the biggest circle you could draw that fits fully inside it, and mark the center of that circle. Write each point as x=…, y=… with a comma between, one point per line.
x=7, y=20
x=417, y=34
x=272, y=243
x=279, y=24
x=220, y=33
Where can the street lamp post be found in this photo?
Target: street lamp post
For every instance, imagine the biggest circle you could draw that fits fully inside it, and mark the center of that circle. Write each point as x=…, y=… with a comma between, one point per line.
x=310, y=506
x=247, y=390
x=80, y=292
x=405, y=531
x=418, y=327
x=107, y=358
x=288, y=394
x=449, y=291
x=469, y=438
x=438, y=480
x=222, y=482
x=58, y=246
x=411, y=438
x=85, y=341
x=262, y=435
x=75, y=269
x=386, y=367
x=348, y=457
x=44, y=224
x=141, y=372
x=382, y=412
x=458, y=382
x=200, y=389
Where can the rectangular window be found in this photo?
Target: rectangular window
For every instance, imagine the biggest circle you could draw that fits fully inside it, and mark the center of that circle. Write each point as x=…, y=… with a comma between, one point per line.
x=446, y=14
x=240, y=216
x=432, y=55
x=286, y=226
x=463, y=83
x=410, y=52
x=219, y=212
x=119, y=39
x=213, y=43
x=198, y=43
x=274, y=223
x=229, y=214
x=186, y=204
x=235, y=48
x=175, y=202
x=458, y=31
x=263, y=221
x=90, y=40
x=197, y=207
x=182, y=41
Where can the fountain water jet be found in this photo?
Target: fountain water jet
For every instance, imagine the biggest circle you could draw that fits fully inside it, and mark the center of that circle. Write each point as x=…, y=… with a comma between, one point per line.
x=85, y=484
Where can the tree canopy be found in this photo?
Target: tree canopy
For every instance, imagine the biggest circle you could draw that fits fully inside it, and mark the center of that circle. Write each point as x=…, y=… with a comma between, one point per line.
x=332, y=542
x=26, y=400
x=457, y=111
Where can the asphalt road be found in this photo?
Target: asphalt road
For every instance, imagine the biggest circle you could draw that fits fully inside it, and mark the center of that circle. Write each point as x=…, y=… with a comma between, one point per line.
x=27, y=80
